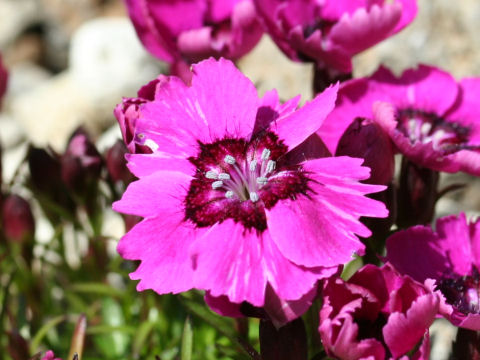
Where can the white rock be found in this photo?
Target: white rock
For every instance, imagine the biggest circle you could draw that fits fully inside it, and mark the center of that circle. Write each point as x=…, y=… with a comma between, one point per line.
x=107, y=59
x=15, y=16
x=106, y=63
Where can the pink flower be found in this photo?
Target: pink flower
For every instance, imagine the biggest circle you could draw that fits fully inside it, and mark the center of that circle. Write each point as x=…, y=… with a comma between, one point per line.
x=3, y=80
x=377, y=314
x=192, y=30
x=228, y=206
x=330, y=32
x=450, y=255
x=432, y=120
x=49, y=355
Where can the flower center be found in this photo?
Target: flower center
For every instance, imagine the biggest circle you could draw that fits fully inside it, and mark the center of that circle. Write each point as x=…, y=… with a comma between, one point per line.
x=238, y=179
x=462, y=292
x=427, y=127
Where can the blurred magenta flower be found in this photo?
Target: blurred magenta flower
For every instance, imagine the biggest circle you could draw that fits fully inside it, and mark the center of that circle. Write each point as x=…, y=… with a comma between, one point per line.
x=81, y=163
x=433, y=121
x=17, y=218
x=187, y=31
x=331, y=32
x=450, y=255
x=377, y=314
x=49, y=355
x=227, y=208
x=3, y=80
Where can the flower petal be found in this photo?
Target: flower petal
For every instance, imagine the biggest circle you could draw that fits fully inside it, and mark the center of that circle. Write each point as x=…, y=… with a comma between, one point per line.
x=403, y=331
x=320, y=231
x=225, y=99
x=162, y=244
x=228, y=261
x=294, y=129
x=151, y=195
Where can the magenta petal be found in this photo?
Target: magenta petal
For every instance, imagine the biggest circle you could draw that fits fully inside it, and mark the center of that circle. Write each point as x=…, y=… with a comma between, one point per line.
x=365, y=27
x=320, y=231
x=409, y=11
x=289, y=281
x=427, y=88
x=225, y=99
x=294, y=129
x=162, y=244
x=151, y=195
x=415, y=252
x=403, y=331
x=455, y=235
x=228, y=261
x=173, y=123
x=221, y=305
x=281, y=311
x=307, y=236
x=150, y=36
x=339, y=336
x=146, y=164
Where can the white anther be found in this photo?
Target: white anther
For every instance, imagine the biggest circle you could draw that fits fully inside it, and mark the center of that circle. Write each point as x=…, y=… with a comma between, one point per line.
x=253, y=165
x=151, y=144
x=262, y=180
x=211, y=175
x=265, y=154
x=217, y=184
x=254, y=196
x=229, y=194
x=224, y=176
x=229, y=159
x=271, y=166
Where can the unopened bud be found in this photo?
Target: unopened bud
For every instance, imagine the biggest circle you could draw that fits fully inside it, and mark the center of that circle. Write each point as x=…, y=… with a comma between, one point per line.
x=367, y=140
x=81, y=163
x=17, y=219
x=117, y=164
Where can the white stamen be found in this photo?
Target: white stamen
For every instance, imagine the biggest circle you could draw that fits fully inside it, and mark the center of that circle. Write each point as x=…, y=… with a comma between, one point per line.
x=229, y=194
x=229, y=159
x=271, y=166
x=217, y=184
x=224, y=176
x=262, y=180
x=151, y=144
x=265, y=154
x=253, y=165
x=254, y=196
x=211, y=175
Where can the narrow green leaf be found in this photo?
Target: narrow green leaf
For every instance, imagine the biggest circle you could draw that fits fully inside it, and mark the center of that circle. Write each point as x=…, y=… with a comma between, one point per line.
x=37, y=339
x=187, y=340
x=96, y=288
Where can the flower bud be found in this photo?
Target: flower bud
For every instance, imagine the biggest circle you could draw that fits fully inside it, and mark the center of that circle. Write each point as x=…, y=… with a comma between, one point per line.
x=17, y=219
x=117, y=164
x=367, y=140
x=81, y=163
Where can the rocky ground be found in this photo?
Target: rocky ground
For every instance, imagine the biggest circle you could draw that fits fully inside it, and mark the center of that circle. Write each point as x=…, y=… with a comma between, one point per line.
x=71, y=61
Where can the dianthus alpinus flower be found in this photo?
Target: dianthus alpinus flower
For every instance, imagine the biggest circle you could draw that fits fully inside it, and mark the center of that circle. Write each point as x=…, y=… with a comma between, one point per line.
x=331, y=32
x=185, y=31
x=435, y=122
x=377, y=314
x=450, y=255
x=227, y=206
